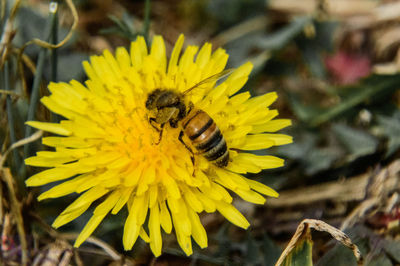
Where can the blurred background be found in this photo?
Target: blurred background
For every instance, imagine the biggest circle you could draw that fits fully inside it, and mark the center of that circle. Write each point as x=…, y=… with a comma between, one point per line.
x=335, y=66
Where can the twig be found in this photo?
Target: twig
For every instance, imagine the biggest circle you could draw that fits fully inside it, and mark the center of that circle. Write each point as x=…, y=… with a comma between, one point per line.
x=37, y=135
x=77, y=258
x=66, y=258
x=323, y=227
x=1, y=206
x=7, y=92
x=16, y=210
x=95, y=241
x=50, y=230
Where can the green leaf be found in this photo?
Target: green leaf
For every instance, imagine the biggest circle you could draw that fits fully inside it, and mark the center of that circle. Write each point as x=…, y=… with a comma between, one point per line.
x=341, y=255
x=372, y=88
x=306, y=150
x=314, y=48
x=392, y=248
x=270, y=251
x=123, y=27
x=241, y=49
x=303, y=112
x=252, y=255
x=278, y=39
x=380, y=260
x=390, y=127
x=338, y=256
x=357, y=142
x=319, y=159
x=301, y=255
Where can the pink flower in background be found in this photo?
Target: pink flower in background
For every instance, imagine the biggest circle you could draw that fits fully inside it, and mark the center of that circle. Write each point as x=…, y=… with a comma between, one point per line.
x=348, y=68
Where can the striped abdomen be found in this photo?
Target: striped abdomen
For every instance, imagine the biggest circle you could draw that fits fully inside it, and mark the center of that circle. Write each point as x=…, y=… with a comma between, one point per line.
x=206, y=137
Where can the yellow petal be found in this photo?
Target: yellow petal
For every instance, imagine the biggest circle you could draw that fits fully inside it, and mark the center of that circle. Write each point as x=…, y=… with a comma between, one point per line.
x=185, y=243
x=50, y=127
x=171, y=187
x=50, y=175
x=271, y=126
x=158, y=52
x=208, y=204
x=64, y=188
x=175, y=53
x=80, y=205
x=165, y=218
x=242, y=71
x=143, y=235
x=280, y=139
x=123, y=58
x=71, y=142
x=232, y=214
x=98, y=215
x=256, y=142
x=155, y=232
x=131, y=232
x=198, y=232
x=261, y=188
x=263, y=161
x=250, y=196
x=204, y=55
x=124, y=196
x=192, y=201
x=46, y=161
x=68, y=217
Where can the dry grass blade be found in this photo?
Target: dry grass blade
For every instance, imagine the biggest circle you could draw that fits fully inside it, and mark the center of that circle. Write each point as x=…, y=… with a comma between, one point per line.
x=355, y=188
x=378, y=192
x=8, y=33
x=16, y=211
x=333, y=7
x=53, y=9
x=9, y=93
x=323, y=227
x=37, y=135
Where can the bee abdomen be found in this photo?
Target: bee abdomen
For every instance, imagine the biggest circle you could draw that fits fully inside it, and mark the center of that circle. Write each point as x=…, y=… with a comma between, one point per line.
x=207, y=138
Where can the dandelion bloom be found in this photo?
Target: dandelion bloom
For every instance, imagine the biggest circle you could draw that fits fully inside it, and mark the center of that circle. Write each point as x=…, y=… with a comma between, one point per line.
x=109, y=151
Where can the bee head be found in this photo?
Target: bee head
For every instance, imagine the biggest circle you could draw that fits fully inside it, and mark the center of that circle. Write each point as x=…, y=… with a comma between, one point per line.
x=151, y=102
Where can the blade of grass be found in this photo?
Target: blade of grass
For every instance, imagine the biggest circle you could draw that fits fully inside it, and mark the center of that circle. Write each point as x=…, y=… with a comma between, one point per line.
x=38, y=78
x=54, y=52
x=10, y=117
x=54, y=57
x=3, y=7
x=146, y=25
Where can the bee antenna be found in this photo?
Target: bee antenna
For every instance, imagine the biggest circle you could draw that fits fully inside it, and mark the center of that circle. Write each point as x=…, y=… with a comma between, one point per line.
x=212, y=78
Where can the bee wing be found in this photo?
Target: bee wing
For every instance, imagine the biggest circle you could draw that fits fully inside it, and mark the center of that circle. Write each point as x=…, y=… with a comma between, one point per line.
x=212, y=78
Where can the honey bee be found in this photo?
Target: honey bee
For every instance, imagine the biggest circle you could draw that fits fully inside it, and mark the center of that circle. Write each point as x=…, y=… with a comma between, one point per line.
x=169, y=107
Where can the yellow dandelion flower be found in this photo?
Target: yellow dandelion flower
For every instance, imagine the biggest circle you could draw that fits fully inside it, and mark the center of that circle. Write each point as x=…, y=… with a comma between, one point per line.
x=109, y=148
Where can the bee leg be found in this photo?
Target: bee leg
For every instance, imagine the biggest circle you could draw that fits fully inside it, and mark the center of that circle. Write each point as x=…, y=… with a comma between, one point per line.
x=152, y=119
x=187, y=147
x=160, y=130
